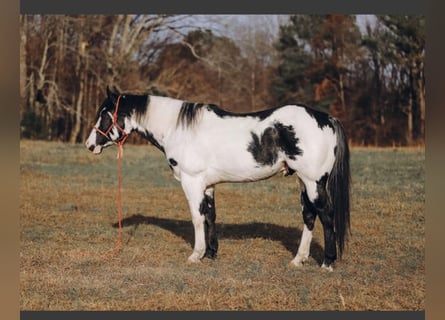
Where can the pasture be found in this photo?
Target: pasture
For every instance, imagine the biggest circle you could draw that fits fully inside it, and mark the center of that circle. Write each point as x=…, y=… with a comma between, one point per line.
x=68, y=216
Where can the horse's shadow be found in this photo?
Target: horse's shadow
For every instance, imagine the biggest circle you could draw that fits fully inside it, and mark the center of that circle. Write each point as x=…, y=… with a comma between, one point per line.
x=289, y=237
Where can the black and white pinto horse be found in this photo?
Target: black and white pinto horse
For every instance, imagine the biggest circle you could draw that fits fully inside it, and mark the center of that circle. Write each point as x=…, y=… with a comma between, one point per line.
x=205, y=145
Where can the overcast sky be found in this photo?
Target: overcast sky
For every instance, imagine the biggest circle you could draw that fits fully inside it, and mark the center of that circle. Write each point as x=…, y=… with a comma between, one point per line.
x=240, y=28
x=226, y=22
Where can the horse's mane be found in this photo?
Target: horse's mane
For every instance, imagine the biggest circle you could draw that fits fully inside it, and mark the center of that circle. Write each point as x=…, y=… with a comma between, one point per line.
x=188, y=115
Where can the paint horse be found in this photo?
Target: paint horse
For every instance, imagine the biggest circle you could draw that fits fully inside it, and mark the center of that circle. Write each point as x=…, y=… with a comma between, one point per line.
x=205, y=145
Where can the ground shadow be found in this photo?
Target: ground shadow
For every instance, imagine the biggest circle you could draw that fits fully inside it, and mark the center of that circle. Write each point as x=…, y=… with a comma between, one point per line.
x=289, y=237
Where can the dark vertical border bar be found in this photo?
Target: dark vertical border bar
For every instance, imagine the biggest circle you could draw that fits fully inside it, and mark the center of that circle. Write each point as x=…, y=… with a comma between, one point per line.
x=435, y=159
x=222, y=7
x=10, y=157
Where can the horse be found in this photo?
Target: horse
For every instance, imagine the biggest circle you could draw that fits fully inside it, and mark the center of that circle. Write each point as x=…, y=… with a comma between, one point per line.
x=205, y=145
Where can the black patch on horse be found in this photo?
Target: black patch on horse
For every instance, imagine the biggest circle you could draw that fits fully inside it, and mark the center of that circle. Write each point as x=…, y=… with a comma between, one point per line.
x=277, y=138
x=322, y=199
x=172, y=162
x=288, y=141
x=312, y=209
x=139, y=105
x=261, y=115
x=129, y=103
x=207, y=208
x=188, y=114
x=149, y=136
x=323, y=119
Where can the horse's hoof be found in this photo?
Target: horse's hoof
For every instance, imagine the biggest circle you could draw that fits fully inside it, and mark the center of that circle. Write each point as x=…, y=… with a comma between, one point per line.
x=193, y=261
x=211, y=254
x=296, y=264
x=194, y=258
x=298, y=261
x=327, y=268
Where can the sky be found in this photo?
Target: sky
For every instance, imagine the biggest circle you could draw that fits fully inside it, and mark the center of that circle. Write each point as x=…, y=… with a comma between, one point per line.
x=240, y=28
x=225, y=22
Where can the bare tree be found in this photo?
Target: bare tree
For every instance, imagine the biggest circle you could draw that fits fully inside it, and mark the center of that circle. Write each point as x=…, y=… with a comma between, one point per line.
x=255, y=36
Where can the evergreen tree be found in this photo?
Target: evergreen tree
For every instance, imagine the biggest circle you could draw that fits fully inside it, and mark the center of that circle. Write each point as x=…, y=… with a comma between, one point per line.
x=406, y=51
x=317, y=52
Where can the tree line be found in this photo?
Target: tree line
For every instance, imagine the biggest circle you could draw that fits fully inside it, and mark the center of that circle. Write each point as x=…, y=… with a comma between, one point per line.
x=371, y=77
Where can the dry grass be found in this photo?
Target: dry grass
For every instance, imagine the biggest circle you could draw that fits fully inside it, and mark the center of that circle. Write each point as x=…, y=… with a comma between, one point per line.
x=68, y=206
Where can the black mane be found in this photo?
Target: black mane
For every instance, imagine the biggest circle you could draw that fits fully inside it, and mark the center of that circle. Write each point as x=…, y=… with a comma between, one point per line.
x=188, y=114
x=134, y=103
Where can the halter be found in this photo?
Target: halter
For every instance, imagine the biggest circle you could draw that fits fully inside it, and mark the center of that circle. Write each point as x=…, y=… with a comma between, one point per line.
x=114, y=124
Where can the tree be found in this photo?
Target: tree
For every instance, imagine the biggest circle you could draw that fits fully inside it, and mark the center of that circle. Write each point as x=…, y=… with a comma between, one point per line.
x=66, y=62
x=395, y=93
x=317, y=54
x=336, y=47
x=373, y=81
x=292, y=83
x=406, y=51
x=203, y=67
x=253, y=34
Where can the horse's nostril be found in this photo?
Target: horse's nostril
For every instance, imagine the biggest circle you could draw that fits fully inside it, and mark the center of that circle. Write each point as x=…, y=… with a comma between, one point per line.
x=91, y=148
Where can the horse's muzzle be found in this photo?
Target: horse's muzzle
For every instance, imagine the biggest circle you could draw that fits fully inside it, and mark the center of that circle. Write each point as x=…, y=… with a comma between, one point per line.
x=95, y=149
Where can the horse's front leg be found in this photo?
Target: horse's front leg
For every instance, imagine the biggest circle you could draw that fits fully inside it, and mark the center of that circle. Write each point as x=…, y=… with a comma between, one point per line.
x=207, y=208
x=194, y=192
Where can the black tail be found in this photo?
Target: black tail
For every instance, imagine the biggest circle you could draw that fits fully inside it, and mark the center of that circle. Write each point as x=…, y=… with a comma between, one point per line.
x=339, y=187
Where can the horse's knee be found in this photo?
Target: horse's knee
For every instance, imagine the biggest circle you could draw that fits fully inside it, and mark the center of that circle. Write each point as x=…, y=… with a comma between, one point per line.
x=308, y=212
x=207, y=208
x=198, y=220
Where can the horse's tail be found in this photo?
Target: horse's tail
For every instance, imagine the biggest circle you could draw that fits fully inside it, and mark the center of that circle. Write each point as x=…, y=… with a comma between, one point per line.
x=339, y=187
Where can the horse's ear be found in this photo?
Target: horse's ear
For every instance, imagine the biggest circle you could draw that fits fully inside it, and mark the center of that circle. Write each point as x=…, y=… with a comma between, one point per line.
x=116, y=91
x=112, y=93
x=108, y=92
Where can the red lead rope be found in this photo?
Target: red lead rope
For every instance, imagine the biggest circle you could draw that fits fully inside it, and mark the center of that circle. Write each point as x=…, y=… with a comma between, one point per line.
x=119, y=144
x=119, y=176
x=119, y=201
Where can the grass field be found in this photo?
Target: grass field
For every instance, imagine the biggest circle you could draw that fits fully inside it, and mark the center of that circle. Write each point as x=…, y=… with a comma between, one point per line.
x=68, y=212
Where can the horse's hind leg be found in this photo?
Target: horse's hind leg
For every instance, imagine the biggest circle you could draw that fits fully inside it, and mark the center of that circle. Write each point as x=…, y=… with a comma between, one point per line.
x=207, y=209
x=316, y=203
x=309, y=216
x=324, y=211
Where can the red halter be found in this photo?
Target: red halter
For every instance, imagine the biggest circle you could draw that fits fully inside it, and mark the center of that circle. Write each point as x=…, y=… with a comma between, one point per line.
x=114, y=124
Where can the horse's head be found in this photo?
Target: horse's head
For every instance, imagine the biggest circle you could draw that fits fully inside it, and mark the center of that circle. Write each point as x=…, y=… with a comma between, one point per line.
x=110, y=123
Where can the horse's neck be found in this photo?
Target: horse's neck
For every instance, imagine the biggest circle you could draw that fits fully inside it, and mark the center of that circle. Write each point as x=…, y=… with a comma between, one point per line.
x=160, y=117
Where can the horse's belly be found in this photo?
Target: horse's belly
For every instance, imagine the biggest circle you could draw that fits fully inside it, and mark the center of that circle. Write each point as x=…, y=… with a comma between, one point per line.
x=233, y=171
x=225, y=161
